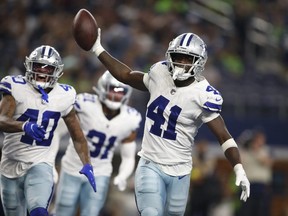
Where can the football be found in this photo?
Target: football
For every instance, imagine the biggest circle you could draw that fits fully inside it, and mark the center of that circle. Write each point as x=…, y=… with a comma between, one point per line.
x=84, y=29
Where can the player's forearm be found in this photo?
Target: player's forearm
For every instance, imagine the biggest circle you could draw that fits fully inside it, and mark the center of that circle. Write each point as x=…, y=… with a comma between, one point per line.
x=8, y=125
x=118, y=69
x=81, y=148
x=7, y=110
x=127, y=165
x=126, y=168
x=231, y=151
x=233, y=156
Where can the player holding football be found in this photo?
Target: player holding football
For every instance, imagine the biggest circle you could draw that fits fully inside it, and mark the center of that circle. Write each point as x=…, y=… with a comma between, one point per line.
x=30, y=109
x=181, y=100
x=107, y=122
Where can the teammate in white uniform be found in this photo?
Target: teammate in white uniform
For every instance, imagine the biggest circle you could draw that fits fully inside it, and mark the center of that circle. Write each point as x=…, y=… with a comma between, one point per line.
x=107, y=122
x=181, y=100
x=30, y=109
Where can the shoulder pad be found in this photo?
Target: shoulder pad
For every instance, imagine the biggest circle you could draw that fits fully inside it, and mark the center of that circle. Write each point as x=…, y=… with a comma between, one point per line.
x=8, y=82
x=87, y=97
x=67, y=87
x=214, y=100
x=135, y=116
x=84, y=97
x=158, y=65
x=5, y=85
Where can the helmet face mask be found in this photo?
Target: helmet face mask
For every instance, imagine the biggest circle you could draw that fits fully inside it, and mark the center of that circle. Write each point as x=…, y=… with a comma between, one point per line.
x=43, y=67
x=186, y=56
x=111, y=92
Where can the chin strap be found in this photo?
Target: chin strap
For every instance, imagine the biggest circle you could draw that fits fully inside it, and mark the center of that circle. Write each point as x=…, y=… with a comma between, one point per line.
x=179, y=74
x=177, y=71
x=44, y=95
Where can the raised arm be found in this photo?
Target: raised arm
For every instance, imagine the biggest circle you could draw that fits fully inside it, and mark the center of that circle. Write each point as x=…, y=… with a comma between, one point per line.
x=118, y=69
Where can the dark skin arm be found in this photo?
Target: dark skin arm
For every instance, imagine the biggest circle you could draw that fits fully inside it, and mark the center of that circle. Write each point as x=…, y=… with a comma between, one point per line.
x=76, y=133
x=7, y=110
x=219, y=129
x=122, y=72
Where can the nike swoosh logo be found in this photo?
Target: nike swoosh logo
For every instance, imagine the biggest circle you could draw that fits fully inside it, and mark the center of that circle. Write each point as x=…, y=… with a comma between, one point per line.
x=180, y=177
x=147, y=162
x=218, y=99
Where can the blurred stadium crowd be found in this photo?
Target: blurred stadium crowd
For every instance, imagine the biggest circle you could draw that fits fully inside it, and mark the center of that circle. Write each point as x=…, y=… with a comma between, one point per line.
x=247, y=46
x=247, y=50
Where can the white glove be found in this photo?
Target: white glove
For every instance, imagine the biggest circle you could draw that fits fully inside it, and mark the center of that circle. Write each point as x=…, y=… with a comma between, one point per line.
x=127, y=152
x=97, y=47
x=120, y=182
x=241, y=179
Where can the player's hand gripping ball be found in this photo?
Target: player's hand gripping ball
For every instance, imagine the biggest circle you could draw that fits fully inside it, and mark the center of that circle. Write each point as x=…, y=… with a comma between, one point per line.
x=85, y=29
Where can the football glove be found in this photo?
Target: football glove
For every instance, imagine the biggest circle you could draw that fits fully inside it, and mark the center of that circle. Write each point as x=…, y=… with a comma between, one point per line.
x=87, y=170
x=34, y=131
x=127, y=165
x=242, y=180
x=97, y=47
x=120, y=182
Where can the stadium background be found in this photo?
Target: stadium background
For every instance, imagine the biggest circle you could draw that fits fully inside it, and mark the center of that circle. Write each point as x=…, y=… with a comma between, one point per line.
x=247, y=58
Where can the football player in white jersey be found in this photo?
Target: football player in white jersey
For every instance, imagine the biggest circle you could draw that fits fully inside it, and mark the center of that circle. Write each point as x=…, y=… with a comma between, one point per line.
x=181, y=100
x=107, y=121
x=30, y=109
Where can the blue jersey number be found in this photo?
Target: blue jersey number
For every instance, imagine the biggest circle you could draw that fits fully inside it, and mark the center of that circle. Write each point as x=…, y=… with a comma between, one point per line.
x=211, y=89
x=155, y=112
x=32, y=115
x=92, y=134
x=65, y=87
x=19, y=80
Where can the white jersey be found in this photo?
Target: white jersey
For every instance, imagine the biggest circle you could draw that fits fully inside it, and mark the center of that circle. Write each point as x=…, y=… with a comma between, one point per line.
x=20, y=151
x=174, y=115
x=102, y=134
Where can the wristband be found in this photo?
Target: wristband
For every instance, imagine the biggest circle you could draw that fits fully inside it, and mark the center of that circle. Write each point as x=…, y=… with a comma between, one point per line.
x=99, y=50
x=230, y=143
x=97, y=47
x=238, y=167
x=23, y=125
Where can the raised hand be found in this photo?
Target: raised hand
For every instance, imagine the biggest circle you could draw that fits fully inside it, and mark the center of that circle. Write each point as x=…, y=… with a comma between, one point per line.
x=34, y=131
x=87, y=170
x=97, y=47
